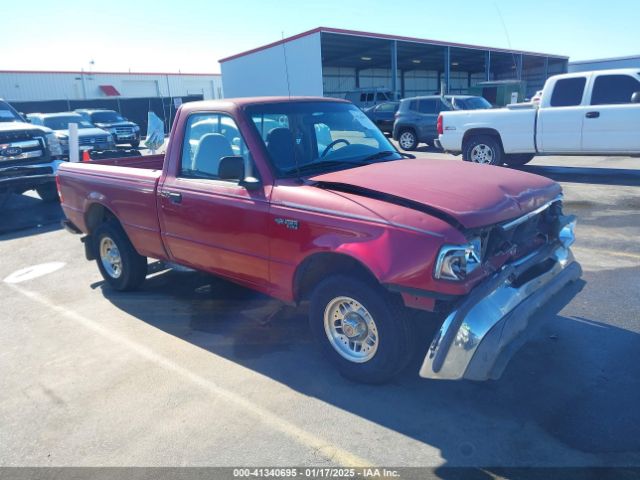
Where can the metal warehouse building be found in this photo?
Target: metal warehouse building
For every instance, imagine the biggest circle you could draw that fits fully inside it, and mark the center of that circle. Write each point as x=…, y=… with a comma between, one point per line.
x=131, y=94
x=331, y=62
x=605, y=64
x=27, y=86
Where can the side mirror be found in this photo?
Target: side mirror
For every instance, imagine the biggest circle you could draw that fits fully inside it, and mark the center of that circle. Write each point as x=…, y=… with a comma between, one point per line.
x=635, y=98
x=251, y=183
x=232, y=168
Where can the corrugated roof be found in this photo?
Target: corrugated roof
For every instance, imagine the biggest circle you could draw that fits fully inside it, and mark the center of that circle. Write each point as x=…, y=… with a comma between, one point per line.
x=357, y=33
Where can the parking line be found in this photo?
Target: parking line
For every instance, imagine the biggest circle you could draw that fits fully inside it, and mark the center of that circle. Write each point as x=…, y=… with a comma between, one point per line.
x=327, y=449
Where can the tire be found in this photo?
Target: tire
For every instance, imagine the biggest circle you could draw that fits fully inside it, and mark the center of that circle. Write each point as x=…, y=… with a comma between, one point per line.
x=135, y=144
x=125, y=269
x=519, y=159
x=483, y=149
x=408, y=140
x=48, y=192
x=367, y=302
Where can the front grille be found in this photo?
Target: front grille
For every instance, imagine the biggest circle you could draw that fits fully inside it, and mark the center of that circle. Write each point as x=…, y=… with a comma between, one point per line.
x=124, y=130
x=30, y=146
x=538, y=229
x=19, y=136
x=84, y=141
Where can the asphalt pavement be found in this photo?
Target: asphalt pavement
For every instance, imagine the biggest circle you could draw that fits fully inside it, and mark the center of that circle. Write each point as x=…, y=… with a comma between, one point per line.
x=193, y=371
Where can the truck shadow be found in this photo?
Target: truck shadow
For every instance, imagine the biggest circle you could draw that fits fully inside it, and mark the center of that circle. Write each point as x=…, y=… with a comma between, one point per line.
x=623, y=177
x=23, y=213
x=571, y=393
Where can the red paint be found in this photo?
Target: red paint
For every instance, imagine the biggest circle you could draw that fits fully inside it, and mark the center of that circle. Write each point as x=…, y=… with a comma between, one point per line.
x=109, y=90
x=222, y=228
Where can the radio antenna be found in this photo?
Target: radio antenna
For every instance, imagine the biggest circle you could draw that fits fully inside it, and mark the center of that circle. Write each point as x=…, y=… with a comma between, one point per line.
x=506, y=34
x=286, y=65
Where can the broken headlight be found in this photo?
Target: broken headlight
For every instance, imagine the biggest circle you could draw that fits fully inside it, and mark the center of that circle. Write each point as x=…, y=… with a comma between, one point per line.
x=455, y=262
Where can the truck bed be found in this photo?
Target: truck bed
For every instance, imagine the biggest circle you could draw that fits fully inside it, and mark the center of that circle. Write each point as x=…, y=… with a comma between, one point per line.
x=124, y=186
x=148, y=162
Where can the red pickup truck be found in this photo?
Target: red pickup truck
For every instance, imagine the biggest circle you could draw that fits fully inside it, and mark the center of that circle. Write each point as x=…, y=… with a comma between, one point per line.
x=305, y=199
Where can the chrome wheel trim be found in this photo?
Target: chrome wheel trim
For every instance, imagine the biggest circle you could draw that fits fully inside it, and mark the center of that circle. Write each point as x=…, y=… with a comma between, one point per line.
x=110, y=257
x=351, y=329
x=481, y=153
x=407, y=139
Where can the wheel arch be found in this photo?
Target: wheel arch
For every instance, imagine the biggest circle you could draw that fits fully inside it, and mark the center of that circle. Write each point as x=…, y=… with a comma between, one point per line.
x=476, y=132
x=96, y=213
x=319, y=265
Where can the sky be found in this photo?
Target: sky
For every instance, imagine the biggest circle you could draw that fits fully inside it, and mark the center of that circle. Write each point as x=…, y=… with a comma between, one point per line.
x=192, y=35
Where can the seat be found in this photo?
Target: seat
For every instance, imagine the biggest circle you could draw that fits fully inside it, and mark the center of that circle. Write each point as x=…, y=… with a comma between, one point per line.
x=281, y=147
x=212, y=147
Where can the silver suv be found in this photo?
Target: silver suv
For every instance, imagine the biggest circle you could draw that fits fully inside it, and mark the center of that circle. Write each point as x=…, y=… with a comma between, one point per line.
x=417, y=117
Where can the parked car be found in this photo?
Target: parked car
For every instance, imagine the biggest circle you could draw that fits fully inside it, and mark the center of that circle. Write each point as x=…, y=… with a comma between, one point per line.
x=369, y=97
x=354, y=227
x=29, y=156
x=123, y=130
x=585, y=113
x=89, y=136
x=383, y=115
x=416, y=119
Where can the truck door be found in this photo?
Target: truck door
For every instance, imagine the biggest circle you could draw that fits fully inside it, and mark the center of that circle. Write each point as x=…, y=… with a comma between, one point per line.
x=612, y=122
x=209, y=223
x=560, y=118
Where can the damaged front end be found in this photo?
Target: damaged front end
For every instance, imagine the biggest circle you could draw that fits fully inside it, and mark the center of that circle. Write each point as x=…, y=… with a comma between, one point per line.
x=532, y=261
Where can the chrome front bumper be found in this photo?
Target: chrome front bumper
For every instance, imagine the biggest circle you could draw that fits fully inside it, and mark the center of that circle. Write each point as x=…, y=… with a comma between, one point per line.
x=475, y=339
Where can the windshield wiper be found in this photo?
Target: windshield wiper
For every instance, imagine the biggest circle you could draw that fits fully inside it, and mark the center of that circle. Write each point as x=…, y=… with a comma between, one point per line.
x=309, y=167
x=386, y=153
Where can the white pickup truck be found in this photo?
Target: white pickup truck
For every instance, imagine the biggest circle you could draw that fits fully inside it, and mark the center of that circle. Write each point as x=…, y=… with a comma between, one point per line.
x=585, y=113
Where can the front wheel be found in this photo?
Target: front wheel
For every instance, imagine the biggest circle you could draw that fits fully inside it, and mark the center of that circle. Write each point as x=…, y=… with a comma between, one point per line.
x=48, y=192
x=408, y=140
x=135, y=143
x=363, y=330
x=482, y=149
x=120, y=264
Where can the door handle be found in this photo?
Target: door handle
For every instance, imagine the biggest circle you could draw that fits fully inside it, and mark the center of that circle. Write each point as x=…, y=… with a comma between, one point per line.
x=174, y=197
x=592, y=114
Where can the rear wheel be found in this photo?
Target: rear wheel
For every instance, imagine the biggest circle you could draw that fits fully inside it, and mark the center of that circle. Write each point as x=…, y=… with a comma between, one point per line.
x=482, y=149
x=518, y=159
x=363, y=330
x=408, y=140
x=120, y=265
x=48, y=192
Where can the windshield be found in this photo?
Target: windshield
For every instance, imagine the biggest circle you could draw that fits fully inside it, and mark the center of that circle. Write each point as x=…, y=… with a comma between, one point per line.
x=315, y=137
x=8, y=114
x=471, y=103
x=106, y=117
x=62, y=123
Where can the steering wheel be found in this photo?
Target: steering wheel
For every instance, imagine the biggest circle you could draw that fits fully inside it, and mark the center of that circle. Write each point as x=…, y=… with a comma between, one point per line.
x=333, y=144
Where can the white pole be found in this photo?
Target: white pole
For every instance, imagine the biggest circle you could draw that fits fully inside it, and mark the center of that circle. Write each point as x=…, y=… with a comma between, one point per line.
x=74, y=144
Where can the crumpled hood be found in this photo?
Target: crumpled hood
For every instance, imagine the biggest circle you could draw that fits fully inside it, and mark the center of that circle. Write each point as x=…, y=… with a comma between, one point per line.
x=470, y=194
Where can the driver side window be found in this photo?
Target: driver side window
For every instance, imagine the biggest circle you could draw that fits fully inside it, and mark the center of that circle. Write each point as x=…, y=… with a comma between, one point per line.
x=209, y=137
